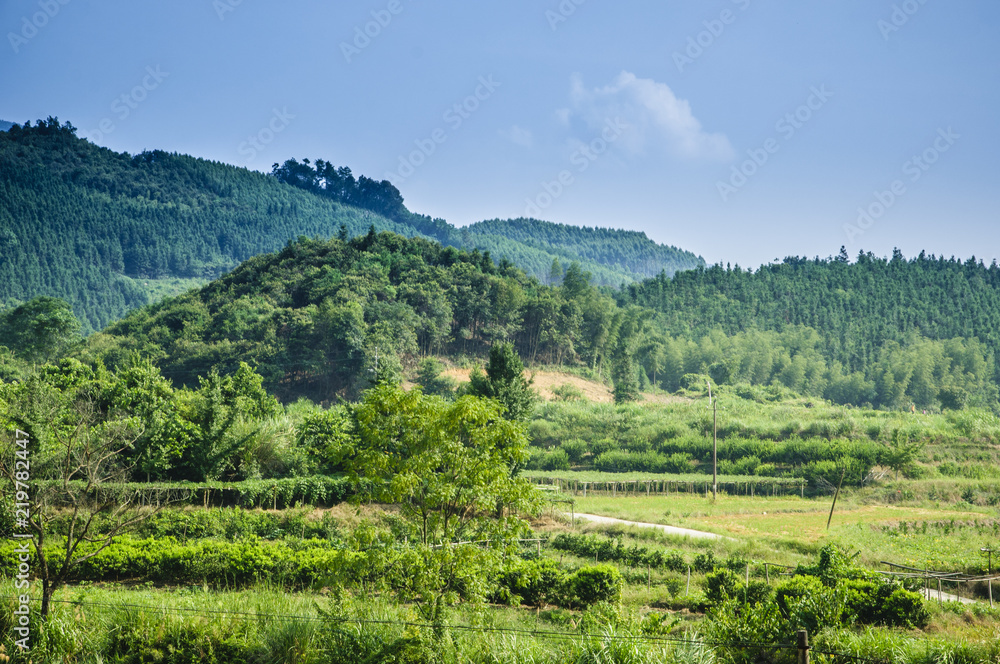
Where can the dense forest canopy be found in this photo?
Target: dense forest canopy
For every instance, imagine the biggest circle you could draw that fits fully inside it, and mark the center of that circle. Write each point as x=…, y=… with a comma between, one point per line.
x=862, y=312
x=324, y=318
x=90, y=225
x=541, y=248
x=98, y=228
x=630, y=251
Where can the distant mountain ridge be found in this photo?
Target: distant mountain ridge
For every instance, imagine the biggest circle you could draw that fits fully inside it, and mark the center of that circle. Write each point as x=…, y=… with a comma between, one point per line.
x=4, y=125
x=105, y=230
x=630, y=251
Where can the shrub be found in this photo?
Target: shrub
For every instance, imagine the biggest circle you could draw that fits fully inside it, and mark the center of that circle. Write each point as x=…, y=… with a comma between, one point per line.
x=532, y=582
x=721, y=586
x=704, y=562
x=567, y=392
x=796, y=588
x=884, y=603
x=904, y=609
x=554, y=459
x=575, y=449
x=595, y=583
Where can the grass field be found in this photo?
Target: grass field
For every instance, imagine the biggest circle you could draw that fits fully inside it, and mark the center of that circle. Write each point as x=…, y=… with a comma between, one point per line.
x=790, y=526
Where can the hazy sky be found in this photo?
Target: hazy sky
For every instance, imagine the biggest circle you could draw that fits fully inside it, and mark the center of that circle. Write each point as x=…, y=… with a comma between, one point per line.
x=742, y=130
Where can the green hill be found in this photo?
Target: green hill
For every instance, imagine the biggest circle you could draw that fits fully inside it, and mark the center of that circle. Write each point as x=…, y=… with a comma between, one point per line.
x=612, y=257
x=629, y=253
x=860, y=311
x=109, y=232
x=99, y=228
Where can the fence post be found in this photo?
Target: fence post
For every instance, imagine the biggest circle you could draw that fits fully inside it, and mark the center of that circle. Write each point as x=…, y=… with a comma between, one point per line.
x=990, y=582
x=803, y=646
x=687, y=591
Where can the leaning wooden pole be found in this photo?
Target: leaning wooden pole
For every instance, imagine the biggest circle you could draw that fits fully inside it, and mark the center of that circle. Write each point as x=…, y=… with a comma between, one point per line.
x=837, y=493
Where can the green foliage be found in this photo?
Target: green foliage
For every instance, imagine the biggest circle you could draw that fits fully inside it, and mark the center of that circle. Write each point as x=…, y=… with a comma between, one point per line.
x=429, y=377
x=747, y=635
x=554, y=459
x=887, y=332
x=444, y=463
x=39, y=330
x=532, y=582
x=721, y=586
x=567, y=392
x=593, y=584
x=603, y=548
x=505, y=382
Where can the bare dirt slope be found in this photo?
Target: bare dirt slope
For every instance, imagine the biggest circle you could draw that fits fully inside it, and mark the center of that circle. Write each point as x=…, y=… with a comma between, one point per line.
x=544, y=381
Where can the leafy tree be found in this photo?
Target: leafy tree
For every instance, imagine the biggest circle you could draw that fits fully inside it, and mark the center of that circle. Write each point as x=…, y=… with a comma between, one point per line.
x=444, y=463
x=626, y=383
x=903, y=452
x=39, y=330
x=77, y=451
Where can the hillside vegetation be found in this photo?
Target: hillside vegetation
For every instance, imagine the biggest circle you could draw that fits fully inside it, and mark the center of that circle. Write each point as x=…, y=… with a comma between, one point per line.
x=109, y=232
x=318, y=316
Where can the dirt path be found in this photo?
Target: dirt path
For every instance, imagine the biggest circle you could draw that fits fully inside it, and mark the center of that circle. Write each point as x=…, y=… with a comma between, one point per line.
x=931, y=594
x=672, y=530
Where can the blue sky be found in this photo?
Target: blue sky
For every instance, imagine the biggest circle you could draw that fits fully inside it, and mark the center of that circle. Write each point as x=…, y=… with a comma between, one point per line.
x=742, y=130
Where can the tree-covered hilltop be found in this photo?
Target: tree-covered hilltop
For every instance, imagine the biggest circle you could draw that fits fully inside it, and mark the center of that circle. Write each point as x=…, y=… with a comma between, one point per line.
x=860, y=311
x=322, y=318
x=628, y=251
x=541, y=248
x=325, y=318
x=98, y=228
x=88, y=225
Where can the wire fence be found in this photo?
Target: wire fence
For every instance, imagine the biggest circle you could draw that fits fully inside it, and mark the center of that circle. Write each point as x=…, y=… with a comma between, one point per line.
x=539, y=634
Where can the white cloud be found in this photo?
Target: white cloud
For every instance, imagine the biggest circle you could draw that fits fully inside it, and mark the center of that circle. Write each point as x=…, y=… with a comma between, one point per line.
x=655, y=116
x=518, y=136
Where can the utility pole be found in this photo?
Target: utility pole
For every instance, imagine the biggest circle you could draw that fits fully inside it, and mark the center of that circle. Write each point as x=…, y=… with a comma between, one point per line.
x=715, y=441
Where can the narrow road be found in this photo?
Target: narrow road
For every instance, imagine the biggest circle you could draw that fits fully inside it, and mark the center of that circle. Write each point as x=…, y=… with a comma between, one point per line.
x=931, y=595
x=672, y=530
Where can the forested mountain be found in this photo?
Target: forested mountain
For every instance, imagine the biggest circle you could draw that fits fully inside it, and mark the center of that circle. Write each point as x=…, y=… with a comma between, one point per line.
x=630, y=252
x=541, y=248
x=323, y=318
x=88, y=224
x=4, y=125
x=96, y=227
x=858, y=309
